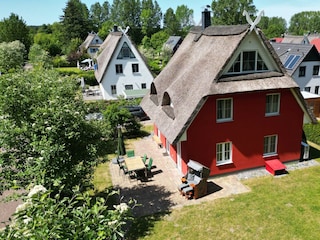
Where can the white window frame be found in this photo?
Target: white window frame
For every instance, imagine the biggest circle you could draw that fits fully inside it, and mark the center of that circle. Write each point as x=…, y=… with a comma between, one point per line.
x=253, y=65
x=223, y=153
x=224, y=117
x=274, y=109
x=270, y=145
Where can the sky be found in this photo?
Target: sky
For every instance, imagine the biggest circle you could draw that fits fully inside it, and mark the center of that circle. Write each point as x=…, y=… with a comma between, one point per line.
x=38, y=12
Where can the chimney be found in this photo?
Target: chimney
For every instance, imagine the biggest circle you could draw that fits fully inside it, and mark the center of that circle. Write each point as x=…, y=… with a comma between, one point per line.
x=115, y=28
x=206, y=18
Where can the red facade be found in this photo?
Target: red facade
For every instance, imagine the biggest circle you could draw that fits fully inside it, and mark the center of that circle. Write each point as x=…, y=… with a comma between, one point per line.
x=246, y=131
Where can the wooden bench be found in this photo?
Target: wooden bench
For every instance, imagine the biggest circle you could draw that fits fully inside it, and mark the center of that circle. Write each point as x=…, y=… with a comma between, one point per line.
x=157, y=140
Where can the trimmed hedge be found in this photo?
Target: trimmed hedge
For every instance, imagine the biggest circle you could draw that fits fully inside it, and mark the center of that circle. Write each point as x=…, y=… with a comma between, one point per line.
x=88, y=76
x=312, y=132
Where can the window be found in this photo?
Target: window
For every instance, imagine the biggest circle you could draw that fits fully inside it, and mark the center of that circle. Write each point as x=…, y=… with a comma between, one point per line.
x=128, y=87
x=93, y=50
x=113, y=89
x=135, y=67
x=272, y=104
x=270, y=145
x=302, y=71
x=315, y=70
x=119, y=68
x=307, y=89
x=143, y=85
x=125, y=52
x=224, y=153
x=224, y=109
x=316, y=90
x=248, y=61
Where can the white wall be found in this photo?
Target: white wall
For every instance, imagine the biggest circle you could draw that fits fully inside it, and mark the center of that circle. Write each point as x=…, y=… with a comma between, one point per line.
x=127, y=77
x=308, y=80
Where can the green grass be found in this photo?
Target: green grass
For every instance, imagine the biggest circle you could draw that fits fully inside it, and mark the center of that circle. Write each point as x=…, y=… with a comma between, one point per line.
x=285, y=207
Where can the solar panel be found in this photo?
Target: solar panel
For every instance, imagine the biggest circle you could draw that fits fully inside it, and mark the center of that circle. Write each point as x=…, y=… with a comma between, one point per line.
x=291, y=61
x=288, y=60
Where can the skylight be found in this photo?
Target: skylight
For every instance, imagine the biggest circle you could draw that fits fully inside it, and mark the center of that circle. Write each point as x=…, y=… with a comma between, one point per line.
x=291, y=61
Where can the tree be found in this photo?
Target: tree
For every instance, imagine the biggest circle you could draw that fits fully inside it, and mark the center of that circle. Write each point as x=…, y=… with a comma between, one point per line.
x=11, y=56
x=75, y=20
x=116, y=114
x=39, y=58
x=14, y=28
x=44, y=136
x=158, y=39
x=230, y=12
x=170, y=22
x=48, y=42
x=99, y=14
x=150, y=17
x=184, y=16
x=127, y=13
x=305, y=22
x=273, y=27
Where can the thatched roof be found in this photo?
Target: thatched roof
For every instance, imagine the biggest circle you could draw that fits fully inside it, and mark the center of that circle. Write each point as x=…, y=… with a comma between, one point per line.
x=89, y=41
x=106, y=52
x=195, y=72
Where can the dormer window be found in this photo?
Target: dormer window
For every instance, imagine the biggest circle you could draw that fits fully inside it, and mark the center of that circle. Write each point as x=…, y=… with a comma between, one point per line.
x=153, y=94
x=125, y=52
x=167, y=105
x=248, y=61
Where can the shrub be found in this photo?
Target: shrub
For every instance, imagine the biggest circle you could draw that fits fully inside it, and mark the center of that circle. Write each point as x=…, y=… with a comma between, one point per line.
x=80, y=216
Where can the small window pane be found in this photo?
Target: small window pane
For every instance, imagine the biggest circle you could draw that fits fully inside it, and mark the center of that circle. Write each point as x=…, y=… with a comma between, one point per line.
x=270, y=145
x=224, y=109
x=272, y=104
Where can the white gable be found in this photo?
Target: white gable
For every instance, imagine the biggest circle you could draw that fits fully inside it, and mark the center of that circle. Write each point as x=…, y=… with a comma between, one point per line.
x=126, y=72
x=252, y=44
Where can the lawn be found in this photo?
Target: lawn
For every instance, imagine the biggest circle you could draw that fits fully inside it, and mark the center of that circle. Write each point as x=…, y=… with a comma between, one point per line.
x=286, y=207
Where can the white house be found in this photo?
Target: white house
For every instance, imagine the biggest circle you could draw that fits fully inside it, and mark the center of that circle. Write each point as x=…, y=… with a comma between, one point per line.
x=120, y=69
x=302, y=62
x=91, y=44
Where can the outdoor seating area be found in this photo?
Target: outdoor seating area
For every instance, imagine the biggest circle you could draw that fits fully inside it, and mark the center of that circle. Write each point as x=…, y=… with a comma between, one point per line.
x=135, y=167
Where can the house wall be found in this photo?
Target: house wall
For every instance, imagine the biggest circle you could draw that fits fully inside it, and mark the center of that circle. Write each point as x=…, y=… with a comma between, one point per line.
x=309, y=80
x=127, y=77
x=246, y=132
x=314, y=105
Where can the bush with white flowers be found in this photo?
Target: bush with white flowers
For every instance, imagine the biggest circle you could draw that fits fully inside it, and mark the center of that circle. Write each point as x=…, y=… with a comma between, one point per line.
x=81, y=216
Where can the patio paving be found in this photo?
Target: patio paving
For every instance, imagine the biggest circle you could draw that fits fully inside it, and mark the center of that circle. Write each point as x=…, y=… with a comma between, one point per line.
x=160, y=193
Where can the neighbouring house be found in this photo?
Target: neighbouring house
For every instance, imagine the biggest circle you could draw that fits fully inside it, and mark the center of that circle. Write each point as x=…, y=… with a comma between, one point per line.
x=302, y=62
x=316, y=43
x=172, y=44
x=121, y=69
x=91, y=44
x=313, y=102
x=226, y=101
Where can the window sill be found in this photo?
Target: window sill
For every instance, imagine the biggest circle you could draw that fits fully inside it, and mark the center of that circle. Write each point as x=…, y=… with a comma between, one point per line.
x=272, y=114
x=270, y=155
x=224, y=120
x=224, y=163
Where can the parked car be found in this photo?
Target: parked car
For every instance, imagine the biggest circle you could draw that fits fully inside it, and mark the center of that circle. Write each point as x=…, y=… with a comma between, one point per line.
x=138, y=112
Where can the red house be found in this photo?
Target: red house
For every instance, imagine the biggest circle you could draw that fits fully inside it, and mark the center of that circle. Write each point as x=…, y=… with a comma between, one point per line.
x=226, y=101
